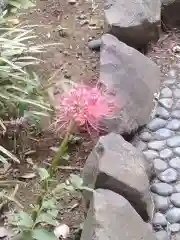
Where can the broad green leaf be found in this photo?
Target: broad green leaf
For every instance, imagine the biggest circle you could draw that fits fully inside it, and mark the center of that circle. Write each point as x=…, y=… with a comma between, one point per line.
x=46, y=218
x=76, y=181
x=43, y=234
x=49, y=204
x=23, y=220
x=43, y=173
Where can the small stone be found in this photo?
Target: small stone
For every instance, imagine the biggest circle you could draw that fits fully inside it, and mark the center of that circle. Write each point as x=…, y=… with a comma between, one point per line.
x=156, y=124
x=175, y=163
x=157, y=145
x=174, y=124
x=174, y=228
x=3, y=232
x=163, y=133
x=169, y=82
x=175, y=199
x=95, y=44
x=172, y=73
x=166, y=153
x=162, y=235
x=166, y=102
x=72, y=2
x=166, y=92
x=175, y=114
x=173, y=215
x=160, y=165
x=146, y=136
x=176, y=93
x=150, y=154
x=159, y=219
x=168, y=176
x=174, y=141
x=161, y=203
x=162, y=189
x=141, y=146
x=177, y=188
x=162, y=112
x=177, y=151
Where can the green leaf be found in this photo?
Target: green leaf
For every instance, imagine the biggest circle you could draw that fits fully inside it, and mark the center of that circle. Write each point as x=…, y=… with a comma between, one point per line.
x=43, y=173
x=66, y=157
x=76, y=181
x=46, y=218
x=43, y=234
x=49, y=204
x=23, y=220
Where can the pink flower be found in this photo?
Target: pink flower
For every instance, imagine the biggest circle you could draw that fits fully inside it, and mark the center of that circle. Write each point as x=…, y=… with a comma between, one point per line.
x=85, y=106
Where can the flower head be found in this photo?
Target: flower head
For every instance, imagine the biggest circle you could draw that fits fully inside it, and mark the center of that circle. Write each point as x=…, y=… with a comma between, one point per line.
x=85, y=106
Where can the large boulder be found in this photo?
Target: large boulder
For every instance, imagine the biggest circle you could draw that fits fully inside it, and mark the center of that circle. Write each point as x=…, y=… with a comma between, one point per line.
x=111, y=217
x=133, y=79
x=170, y=13
x=116, y=165
x=134, y=22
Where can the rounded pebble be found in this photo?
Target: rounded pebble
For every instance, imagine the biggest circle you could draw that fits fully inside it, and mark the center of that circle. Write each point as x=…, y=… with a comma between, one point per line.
x=169, y=82
x=146, y=136
x=175, y=114
x=174, y=124
x=175, y=199
x=162, y=235
x=157, y=145
x=174, y=141
x=163, y=133
x=174, y=228
x=160, y=165
x=163, y=189
x=176, y=188
x=95, y=44
x=177, y=105
x=175, y=163
x=156, y=124
x=176, y=93
x=159, y=219
x=177, y=151
x=150, y=154
x=162, y=112
x=166, y=92
x=166, y=102
x=173, y=215
x=161, y=203
x=166, y=153
x=168, y=176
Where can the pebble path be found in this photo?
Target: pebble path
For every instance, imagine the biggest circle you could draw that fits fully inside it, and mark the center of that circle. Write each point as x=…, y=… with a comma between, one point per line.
x=160, y=143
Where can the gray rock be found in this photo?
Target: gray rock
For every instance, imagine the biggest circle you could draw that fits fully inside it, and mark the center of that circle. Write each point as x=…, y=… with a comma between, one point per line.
x=170, y=82
x=159, y=219
x=175, y=163
x=156, y=145
x=174, y=141
x=133, y=22
x=166, y=153
x=168, y=176
x=156, y=124
x=129, y=177
x=150, y=154
x=162, y=189
x=177, y=188
x=175, y=114
x=166, y=102
x=161, y=203
x=176, y=93
x=141, y=146
x=160, y=165
x=131, y=77
x=166, y=92
x=3, y=232
x=177, y=105
x=173, y=215
x=108, y=208
x=174, y=124
x=170, y=14
x=95, y=44
x=174, y=228
x=163, y=133
x=177, y=151
x=162, y=112
x=146, y=136
x=175, y=199
x=162, y=235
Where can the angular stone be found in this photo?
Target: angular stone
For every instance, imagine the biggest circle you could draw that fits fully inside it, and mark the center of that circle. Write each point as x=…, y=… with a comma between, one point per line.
x=166, y=92
x=163, y=133
x=174, y=228
x=175, y=163
x=170, y=13
x=175, y=199
x=161, y=203
x=110, y=209
x=173, y=215
x=176, y=93
x=159, y=219
x=177, y=151
x=131, y=77
x=150, y=154
x=166, y=102
x=129, y=177
x=160, y=165
x=175, y=114
x=168, y=176
x=166, y=153
x=156, y=124
x=162, y=112
x=162, y=235
x=174, y=141
x=162, y=189
x=146, y=136
x=174, y=124
x=157, y=145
